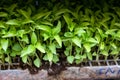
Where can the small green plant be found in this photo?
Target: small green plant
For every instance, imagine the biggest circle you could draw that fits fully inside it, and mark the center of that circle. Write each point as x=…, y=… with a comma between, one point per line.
x=36, y=34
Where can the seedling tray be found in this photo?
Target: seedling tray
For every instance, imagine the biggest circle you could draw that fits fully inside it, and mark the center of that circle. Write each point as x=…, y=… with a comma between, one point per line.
x=91, y=70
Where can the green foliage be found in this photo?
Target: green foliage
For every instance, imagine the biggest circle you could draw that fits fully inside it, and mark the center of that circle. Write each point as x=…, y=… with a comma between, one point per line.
x=83, y=30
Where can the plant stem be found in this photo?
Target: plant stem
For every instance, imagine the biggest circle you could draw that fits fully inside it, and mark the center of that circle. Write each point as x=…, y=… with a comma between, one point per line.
x=71, y=49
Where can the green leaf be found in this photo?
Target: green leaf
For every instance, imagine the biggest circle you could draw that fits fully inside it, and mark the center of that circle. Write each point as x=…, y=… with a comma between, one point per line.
x=105, y=25
x=52, y=48
x=97, y=37
x=27, y=50
x=33, y=38
x=4, y=44
x=78, y=50
x=24, y=58
x=114, y=52
x=84, y=56
x=7, y=59
x=94, y=54
x=40, y=47
x=104, y=52
x=45, y=57
x=89, y=55
x=85, y=23
x=17, y=47
x=25, y=39
x=10, y=33
x=92, y=40
x=87, y=47
x=77, y=56
x=118, y=34
x=71, y=27
x=43, y=27
x=117, y=24
x=67, y=19
x=24, y=13
x=100, y=32
x=57, y=29
x=68, y=34
x=102, y=46
x=61, y=11
x=77, y=41
x=66, y=52
x=70, y=59
x=20, y=33
x=113, y=45
x=55, y=58
x=40, y=15
x=58, y=39
x=78, y=61
x=37, y=62
x=111, y=32
x=3, y=14
x=2, y=25
x=46, y=36
x=49, y=56
x=79, y=31
x=13, y=54
x=27, y=21
x=47, y=23
x=13, y=22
